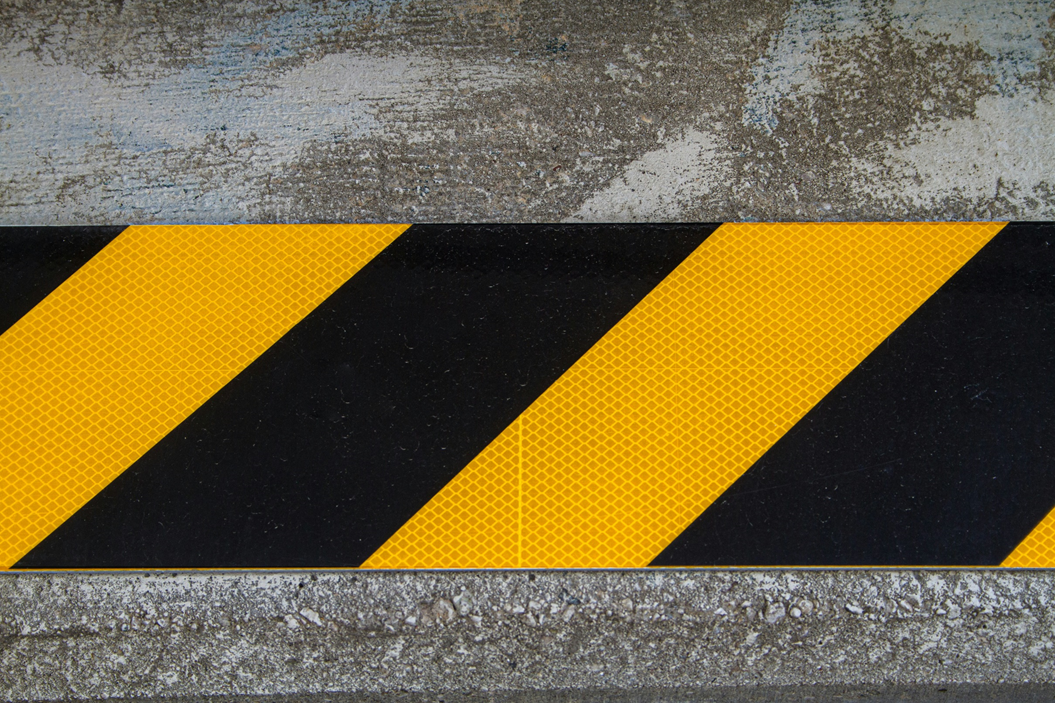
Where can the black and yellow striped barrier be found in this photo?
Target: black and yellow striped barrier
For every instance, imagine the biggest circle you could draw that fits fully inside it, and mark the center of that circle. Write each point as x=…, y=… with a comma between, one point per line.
x=460, y=396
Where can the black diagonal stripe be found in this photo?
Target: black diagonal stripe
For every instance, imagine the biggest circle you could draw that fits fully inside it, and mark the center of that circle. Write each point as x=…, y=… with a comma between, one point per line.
x=939, y=449
x=338, y=434
x=35, y=260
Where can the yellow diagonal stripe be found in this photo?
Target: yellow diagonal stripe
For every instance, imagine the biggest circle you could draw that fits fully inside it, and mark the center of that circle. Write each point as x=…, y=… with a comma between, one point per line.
x=1037, y=550
x=630, y=445
x=136, y=340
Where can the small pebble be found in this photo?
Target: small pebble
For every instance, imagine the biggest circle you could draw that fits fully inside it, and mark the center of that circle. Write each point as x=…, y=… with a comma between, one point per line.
x=444, y=610
x=311, y=616
x=463, y=603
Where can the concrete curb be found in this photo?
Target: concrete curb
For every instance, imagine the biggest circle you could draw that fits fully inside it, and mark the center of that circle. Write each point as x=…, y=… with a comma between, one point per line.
x=736, y=694
x=516, y=635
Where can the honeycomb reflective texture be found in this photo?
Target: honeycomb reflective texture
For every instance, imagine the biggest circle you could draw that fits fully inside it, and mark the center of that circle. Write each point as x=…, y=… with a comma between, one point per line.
x=485, y=528
x=136, y=340
x=683, y=395
x=1037, y=550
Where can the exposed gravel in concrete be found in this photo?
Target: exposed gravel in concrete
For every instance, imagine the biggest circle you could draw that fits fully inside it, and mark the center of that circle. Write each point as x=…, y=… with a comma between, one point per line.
x=1025, y=693
x=515, y=110
x=252, y=634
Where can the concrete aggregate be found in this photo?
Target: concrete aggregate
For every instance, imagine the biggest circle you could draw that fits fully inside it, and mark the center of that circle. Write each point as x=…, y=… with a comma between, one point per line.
x=114, y=635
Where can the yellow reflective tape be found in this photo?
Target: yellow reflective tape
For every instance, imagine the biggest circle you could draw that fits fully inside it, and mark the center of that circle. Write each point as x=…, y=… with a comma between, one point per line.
x=137, y=339
x=1037, y=550
x=683, y=395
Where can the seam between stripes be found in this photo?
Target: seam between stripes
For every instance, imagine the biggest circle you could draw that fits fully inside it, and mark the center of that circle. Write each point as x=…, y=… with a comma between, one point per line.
x=520, y=492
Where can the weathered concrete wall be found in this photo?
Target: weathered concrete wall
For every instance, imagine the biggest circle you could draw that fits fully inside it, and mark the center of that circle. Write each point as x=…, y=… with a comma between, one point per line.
x=252, y=634
x=487, y=110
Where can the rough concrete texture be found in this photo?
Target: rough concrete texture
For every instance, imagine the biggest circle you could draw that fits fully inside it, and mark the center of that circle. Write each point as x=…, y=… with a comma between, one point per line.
x=487, y=110
x=510, y=110
x=700, y=632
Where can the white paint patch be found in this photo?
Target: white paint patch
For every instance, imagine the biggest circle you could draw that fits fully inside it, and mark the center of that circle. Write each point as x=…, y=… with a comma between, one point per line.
x=662, y=184
x=192, y=145
x=1010, y=32
x=1005, y=153
x=786, y=70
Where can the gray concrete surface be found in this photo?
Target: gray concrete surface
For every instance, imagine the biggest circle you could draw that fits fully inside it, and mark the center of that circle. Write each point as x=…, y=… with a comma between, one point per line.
x=582, y=635
x=510, y=110
x=519, y=110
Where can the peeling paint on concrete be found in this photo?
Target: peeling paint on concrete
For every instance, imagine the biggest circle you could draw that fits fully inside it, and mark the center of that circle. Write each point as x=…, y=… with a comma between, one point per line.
x=997, y=157
x=661, y=184
x=204, y=141
x=525, y=111
x=1009, y=35
x=926, y=108
x=787, y=71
